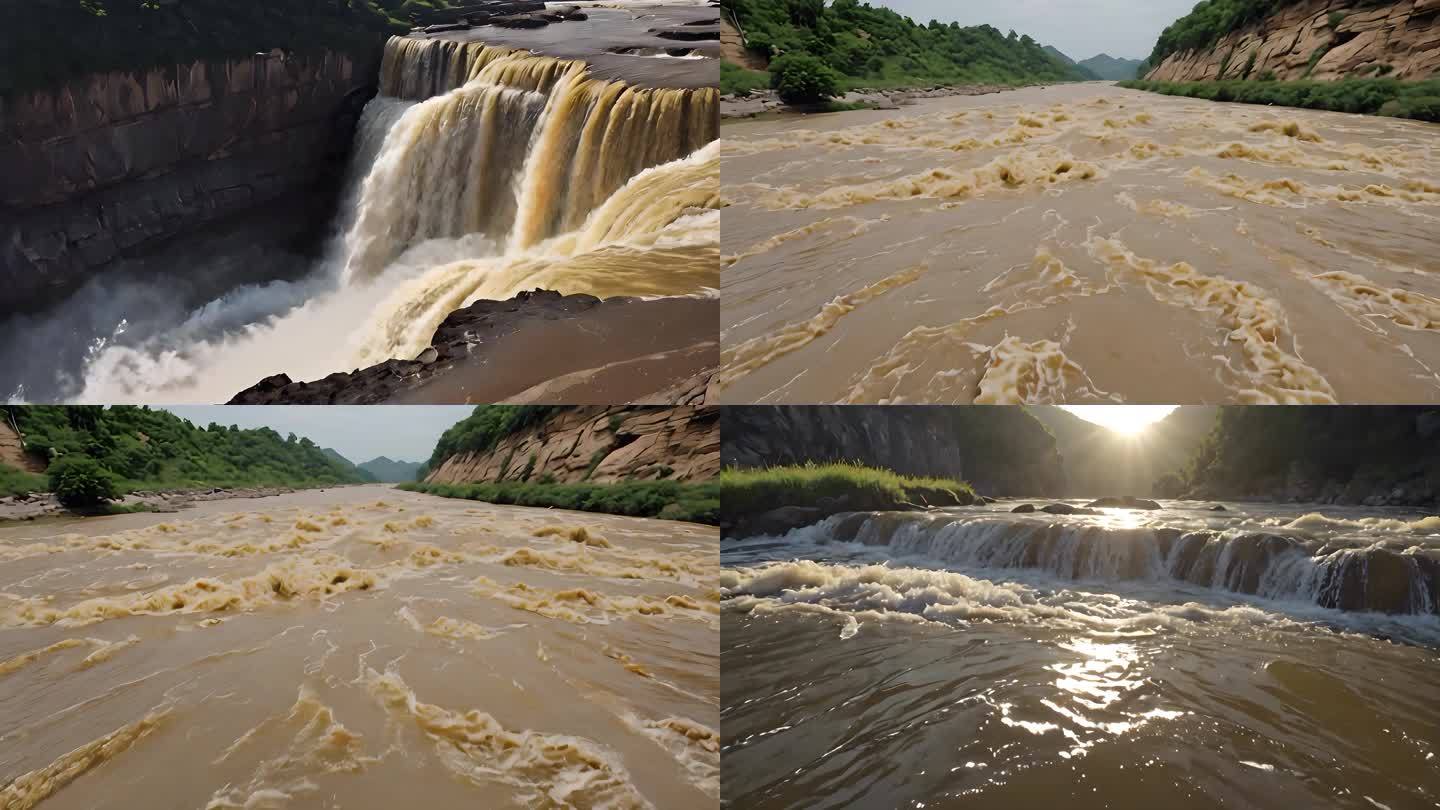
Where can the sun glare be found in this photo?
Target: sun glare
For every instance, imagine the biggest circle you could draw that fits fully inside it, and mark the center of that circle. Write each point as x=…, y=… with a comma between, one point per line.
x=1127, y=420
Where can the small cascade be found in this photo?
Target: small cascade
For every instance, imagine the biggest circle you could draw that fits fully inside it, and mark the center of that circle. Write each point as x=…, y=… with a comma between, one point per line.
x=1376, y=577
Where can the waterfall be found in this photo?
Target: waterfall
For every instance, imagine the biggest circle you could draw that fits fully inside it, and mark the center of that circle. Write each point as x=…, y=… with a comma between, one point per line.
x=1375, y=577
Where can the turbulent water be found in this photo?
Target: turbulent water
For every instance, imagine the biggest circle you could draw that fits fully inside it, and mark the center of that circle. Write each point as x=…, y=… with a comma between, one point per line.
x=481, y=172
x=1081, y=243
x=359, y=647
x=1179, y=658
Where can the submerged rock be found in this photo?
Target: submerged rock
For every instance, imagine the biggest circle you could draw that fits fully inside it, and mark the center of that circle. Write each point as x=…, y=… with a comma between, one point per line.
x=1067, y=509
x=1124, y=502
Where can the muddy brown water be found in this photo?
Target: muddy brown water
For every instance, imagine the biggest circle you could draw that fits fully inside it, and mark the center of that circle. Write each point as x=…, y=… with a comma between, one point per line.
x=975, y=658
x=1080, y=243
x=358, y=647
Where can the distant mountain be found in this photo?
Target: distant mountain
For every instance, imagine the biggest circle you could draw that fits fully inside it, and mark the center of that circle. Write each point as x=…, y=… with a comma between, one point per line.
x=1098, y=461
x=1079, y=66
x=390, y=471
x=1111, y=68
x=335, y=456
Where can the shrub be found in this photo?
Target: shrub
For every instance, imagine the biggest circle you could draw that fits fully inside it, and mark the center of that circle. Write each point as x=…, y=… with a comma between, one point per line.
x=799, y=78
x=81, y=483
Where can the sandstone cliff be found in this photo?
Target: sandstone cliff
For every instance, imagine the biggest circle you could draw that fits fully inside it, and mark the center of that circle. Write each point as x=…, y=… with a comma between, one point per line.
x=599, y=444
x=1321, y=39
x=111, y=166
x=999, y=451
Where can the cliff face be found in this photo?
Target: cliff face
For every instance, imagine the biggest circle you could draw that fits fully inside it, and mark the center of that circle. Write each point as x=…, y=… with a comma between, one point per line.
x=1000, y=451
x=1403, y=35
x=1099, y=462
x=601, y=445
x=110, y=166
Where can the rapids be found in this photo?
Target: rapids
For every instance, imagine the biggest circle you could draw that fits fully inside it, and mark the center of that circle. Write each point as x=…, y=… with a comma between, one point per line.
x=1080, y=243
x=1180, y=656
x=358, y=647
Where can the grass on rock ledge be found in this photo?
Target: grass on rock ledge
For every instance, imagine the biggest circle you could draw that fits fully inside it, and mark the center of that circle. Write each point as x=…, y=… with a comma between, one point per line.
x=1395, y=98
x=666, y=500
x=835, y=488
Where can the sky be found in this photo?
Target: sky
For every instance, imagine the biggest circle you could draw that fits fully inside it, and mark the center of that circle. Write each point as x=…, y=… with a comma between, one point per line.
x=1127, y=419
x=357, y=432
x=1079, y=28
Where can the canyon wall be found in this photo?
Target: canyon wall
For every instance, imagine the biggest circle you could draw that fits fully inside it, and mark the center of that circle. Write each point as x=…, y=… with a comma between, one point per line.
x=1342, y=37
x=112, y=166
x=999, y=451
x=601, y=444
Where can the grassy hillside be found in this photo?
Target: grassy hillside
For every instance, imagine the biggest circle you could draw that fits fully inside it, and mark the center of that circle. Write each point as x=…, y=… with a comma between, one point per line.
x=150, y=449
x=47, y=41
x=1391, y=97
x=334, y=455
x=876, y=47
x=484, y=428
x=389, y=470
x=806, y=493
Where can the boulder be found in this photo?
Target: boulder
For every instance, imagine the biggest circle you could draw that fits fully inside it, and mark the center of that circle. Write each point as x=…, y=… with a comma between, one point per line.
x=1024, y=507
x=1124, y=502
x=1067, y=509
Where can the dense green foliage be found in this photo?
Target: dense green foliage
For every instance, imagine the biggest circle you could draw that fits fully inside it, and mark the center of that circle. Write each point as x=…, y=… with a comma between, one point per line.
x=668, y=500
x=153, y=449
x=484, y=428
x=47, y=41
x=1399, y=99
x=876, y=47
x=840, y=487
x=19, y=482
x=799, y=78
x=79, y=482
x=1254, y=450
x=1207, y=23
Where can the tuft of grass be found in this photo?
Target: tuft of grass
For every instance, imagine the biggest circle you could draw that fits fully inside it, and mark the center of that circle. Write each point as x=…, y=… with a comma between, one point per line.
x=834, y=488
x=1419, y=100
x=18, y=482
x=667, y=500
x=735, y=80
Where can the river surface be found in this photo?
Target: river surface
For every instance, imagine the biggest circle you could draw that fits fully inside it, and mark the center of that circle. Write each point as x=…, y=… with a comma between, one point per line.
x=1178, y=658
x=358, y=647
x=1081, y=243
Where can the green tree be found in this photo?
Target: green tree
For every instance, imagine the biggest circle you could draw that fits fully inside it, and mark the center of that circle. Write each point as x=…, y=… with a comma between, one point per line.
x=81, y=483
x=799, y=78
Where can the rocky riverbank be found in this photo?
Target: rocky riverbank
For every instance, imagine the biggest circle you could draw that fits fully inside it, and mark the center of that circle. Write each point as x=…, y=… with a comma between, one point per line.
x=44, y=504
x=763, y=102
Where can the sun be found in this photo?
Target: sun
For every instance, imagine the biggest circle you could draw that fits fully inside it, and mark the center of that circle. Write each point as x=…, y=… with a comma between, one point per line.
x=1127, y=420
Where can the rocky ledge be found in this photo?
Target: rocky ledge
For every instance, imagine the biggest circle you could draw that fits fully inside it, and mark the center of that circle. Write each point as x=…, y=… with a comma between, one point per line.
x=615, y=350
x=44, y=504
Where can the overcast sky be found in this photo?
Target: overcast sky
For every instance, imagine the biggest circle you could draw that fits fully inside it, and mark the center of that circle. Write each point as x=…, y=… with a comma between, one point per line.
x=1079, y=28
x=357, y=432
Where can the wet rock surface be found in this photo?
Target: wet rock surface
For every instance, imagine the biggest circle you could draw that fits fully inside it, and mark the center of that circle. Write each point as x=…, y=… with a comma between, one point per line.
x=43, y=504
x=476, y=356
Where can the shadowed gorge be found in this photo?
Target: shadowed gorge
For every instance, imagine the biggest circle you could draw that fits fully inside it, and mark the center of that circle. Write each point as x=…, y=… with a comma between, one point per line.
x=494, y=161
x=1093, y=653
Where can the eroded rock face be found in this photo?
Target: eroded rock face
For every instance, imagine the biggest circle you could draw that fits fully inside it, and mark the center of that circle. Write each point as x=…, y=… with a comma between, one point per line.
x=1404, y=36
x=600, y=444
x=112, y=165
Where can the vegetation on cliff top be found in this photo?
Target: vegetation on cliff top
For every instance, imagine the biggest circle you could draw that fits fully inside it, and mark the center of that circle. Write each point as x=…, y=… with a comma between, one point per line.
x=833, y=488
x=144, y=449
x=48, y=41
x=484, y=428
x=1256, y=451
x=876, y=47
x=667, y=500
x=1419, y=100
x=1207, y=23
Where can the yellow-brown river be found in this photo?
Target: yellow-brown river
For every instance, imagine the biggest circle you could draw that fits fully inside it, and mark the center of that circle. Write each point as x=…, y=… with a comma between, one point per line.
x=1081, y=243
x=359, y=647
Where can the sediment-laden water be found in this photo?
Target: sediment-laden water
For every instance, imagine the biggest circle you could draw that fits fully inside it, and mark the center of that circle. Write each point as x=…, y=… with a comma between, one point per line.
x=1180, y=658
x=481, y=171
x=1081, y=243
x=359, y=647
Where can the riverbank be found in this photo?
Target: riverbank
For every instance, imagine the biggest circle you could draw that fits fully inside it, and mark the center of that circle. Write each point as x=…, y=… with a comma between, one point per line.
x=666, y=500
x=44, y=504
x=1391, y=98
x=764, y=102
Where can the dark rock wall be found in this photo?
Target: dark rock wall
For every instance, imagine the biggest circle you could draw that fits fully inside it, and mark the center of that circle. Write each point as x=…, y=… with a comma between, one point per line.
x=112, y=166
x=1000, y=451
